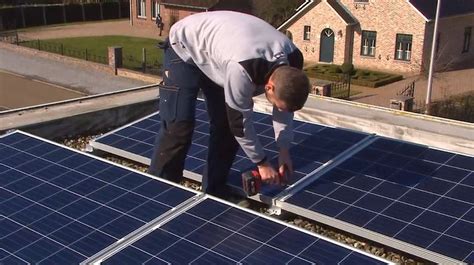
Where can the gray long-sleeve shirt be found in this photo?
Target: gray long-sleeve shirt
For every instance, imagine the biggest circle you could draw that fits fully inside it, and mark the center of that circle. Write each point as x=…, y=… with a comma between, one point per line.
x=238, y=52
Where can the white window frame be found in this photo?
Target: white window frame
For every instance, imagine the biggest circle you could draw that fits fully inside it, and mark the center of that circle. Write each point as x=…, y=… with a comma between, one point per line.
x=155, y=9
x=306, y=32
x=368, y=46
x=141, y=8
x=403, y=48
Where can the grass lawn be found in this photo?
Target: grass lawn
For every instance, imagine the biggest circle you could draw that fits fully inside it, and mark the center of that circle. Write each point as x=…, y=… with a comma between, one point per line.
x=359, y=77
x=97, y=48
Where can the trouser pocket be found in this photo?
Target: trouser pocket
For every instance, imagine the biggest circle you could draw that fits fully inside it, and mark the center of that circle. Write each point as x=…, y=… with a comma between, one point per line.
x=168, y=102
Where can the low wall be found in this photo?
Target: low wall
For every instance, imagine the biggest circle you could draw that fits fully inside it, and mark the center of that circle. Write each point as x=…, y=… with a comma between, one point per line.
x=85, y=115
x=432, y=131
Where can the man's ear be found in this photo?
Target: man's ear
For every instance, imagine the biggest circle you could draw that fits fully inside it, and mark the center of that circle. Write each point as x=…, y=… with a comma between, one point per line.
x=269, y=87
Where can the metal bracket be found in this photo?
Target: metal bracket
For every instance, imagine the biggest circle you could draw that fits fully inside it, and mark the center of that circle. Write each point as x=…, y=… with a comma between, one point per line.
x=274, y=210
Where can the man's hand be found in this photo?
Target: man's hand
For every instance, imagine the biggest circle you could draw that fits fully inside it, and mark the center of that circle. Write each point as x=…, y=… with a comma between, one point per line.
x=285, y=165
x=268, y=173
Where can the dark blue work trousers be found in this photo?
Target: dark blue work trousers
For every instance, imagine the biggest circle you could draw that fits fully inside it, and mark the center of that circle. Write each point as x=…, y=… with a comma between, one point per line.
x=178, y=96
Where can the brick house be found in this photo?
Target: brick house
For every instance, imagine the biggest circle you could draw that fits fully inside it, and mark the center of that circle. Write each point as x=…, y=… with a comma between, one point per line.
x=143, y=13
x=390, y=35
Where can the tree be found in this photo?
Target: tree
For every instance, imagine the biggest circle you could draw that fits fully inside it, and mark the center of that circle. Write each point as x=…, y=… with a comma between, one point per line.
x=275, y=12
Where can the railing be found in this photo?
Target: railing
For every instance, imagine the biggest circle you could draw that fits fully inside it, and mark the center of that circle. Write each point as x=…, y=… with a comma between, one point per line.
x=143, y=64
x=341, y=89
x=9, y=36
x=60, y=48
x=409, y=90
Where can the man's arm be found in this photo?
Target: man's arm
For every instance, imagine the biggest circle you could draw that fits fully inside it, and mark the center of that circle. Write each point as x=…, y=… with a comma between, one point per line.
x=239, y=91
x=283, y=127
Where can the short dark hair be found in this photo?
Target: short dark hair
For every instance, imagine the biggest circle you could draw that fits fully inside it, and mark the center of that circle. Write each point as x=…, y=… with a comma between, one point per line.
x=291, y=85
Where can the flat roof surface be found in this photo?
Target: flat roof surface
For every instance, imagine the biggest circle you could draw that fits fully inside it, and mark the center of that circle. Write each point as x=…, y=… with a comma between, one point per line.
x=17, y=91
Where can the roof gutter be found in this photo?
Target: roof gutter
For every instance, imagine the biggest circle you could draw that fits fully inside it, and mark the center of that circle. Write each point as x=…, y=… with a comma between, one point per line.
x=299, y=10
x=187, y=6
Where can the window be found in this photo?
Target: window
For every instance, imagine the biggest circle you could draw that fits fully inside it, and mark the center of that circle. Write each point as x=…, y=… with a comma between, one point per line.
x=155, y=9
x=403, y=47
x=467, y=39
x=368, y=43
x=141, y=8
x=307, y=33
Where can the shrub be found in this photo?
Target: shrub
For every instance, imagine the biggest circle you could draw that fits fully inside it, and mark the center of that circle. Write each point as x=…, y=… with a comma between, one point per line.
x=347, y=68
x=459, y=107
x=359, y=77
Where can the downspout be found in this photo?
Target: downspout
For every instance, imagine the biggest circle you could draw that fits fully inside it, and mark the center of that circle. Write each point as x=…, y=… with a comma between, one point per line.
x=432, y=58
x=131, y=15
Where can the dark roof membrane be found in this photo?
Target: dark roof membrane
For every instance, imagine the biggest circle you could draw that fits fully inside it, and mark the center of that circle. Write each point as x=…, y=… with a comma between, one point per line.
x=448, y=7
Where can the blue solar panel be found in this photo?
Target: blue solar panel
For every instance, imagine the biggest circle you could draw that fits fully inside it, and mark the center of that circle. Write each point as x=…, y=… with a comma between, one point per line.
x=58, y=206
x=408, y=192
x=313, y=146
x=215, y=233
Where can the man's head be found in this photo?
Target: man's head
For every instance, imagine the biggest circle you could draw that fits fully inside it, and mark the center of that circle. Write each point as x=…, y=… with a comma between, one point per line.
x=287, y=88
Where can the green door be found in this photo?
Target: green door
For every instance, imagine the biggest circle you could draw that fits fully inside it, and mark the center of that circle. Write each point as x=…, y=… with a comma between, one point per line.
x=326, y=52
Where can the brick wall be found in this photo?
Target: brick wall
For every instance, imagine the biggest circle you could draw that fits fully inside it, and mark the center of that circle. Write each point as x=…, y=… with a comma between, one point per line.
x=146, y=21
x=450, y=53
x=319, y=18
x=166, y=13
x=388, y=18
x=172, y=14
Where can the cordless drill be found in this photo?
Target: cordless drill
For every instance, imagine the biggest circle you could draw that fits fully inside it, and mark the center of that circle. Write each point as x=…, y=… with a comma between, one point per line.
x=252, y=181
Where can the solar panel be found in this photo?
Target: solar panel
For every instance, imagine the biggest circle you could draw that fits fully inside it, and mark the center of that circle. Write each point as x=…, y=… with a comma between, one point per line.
x=413, y=195
x=214, y=232
x=59, y=206
x=314, y=145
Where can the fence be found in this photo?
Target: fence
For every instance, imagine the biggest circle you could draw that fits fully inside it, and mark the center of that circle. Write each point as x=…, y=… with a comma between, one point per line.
x=131, y=62
x=409, y=90
x=59, y=48
x=39, y=15
x=143, y=64
x=341, y=89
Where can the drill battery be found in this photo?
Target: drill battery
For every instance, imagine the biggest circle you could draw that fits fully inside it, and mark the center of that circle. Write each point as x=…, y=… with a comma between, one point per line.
x=251, y=182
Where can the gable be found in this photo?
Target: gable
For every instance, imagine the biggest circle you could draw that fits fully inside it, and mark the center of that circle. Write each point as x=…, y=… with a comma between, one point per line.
x=337, y=7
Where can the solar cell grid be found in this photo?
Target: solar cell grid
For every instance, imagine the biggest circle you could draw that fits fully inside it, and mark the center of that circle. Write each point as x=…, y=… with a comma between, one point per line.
x=215, y=232
x=313, y=146
x=60, y=205
x=404, y=191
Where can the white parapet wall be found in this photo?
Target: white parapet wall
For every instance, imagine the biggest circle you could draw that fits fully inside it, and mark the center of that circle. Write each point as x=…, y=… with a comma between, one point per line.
x=435, y=132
